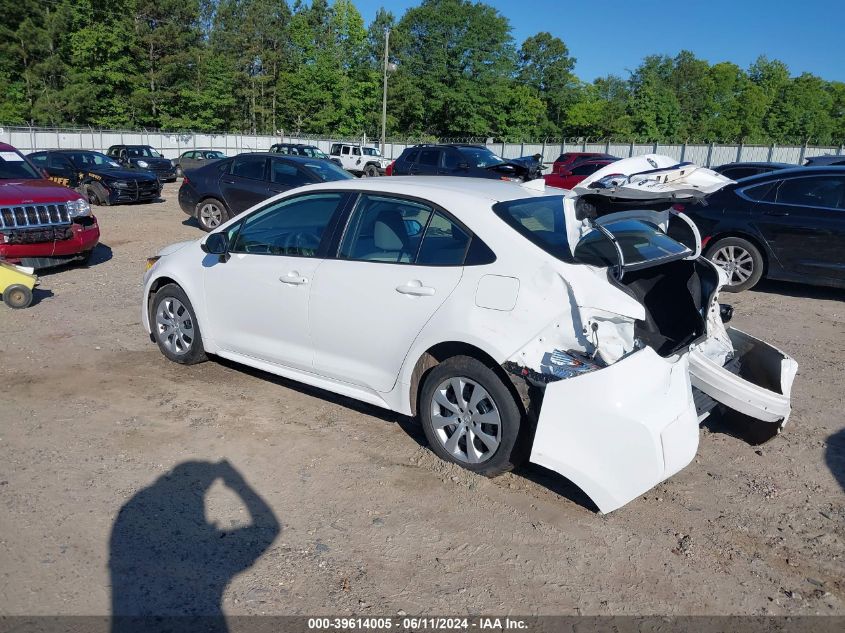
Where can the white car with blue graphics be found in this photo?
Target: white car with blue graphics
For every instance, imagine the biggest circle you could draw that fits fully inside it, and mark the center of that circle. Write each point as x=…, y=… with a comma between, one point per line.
x=579, y=330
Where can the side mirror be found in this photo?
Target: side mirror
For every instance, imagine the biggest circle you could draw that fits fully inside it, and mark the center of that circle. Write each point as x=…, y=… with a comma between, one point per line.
x=215, y=244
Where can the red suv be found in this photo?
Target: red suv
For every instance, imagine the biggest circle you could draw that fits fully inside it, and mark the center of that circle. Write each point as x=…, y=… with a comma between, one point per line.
x=567, y=160
x=42, y=224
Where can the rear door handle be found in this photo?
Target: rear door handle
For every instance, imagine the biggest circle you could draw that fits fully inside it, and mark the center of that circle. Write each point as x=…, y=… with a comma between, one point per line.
x=293, y=278
x=415, y=288
x=776, y=212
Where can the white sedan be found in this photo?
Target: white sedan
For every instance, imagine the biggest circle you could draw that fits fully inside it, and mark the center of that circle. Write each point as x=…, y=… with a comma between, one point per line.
x=580, y=330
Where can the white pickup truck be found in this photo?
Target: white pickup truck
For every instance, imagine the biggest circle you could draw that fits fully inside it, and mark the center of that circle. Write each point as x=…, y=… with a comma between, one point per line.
x=359, y=159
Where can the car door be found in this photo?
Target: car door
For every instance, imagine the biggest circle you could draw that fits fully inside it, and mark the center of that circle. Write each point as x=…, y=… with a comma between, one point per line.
x=397, y=263
x=61, y=170
x=285, y=175
x=428, y=163
x=802, y=219
x=257, y=295
x=245, y=184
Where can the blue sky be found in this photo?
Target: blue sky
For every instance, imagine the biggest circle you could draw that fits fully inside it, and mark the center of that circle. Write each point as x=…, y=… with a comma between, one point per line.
x=612, y=36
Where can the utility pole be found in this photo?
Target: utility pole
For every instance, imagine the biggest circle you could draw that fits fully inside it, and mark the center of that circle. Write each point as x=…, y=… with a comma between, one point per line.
x=384, y=95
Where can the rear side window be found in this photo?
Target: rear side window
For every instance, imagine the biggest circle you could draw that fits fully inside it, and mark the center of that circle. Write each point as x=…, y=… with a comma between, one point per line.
x=430, y=157
x=251, y=167
x=39, y=159
x=586, y=170
x=384, y=229
x=335, y=151
x=286, y=174
x=411, y=155
x=761, y=193
x=444, y=243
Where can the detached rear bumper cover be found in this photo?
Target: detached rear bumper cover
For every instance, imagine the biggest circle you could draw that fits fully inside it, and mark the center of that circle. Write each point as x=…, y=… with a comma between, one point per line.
x=763, y=385
x=618, y=431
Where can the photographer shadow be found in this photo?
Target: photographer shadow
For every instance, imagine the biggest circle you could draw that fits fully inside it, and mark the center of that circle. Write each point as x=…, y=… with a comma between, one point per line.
x=168, y=564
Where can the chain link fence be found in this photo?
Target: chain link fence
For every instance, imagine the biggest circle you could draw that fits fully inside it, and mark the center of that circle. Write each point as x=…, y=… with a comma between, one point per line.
x=173, y=144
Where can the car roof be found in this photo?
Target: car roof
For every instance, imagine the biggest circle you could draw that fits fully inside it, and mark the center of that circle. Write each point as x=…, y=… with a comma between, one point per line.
x=834, y=170
x=441, y=188
x=760, y=163
x=290, y=157
x=7, y=148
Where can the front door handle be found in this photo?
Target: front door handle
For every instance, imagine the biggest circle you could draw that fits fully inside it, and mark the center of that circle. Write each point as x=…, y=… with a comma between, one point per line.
x=416, y=289
x=776, y=212
x=293, y=278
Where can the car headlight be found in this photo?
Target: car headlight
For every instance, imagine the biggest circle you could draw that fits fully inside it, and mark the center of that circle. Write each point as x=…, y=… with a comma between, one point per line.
x=143, y=163
x=152, y=260
x=78, y=208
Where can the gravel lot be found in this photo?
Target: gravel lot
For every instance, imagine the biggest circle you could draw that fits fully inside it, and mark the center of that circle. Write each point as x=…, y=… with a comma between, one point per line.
x=357, y=515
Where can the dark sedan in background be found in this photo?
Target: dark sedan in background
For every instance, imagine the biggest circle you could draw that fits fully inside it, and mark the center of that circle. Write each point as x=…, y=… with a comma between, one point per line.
x=788, y=224
x=827, y=160
x=735, y=171
x=196, y=158
x=216, y=192
x=143, y=157
x=97, y=177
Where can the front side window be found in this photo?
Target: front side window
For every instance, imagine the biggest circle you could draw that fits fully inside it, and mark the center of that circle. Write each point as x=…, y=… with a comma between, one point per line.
x=57, y=161
x=346, y=150
x=286, y=174
x=335, y=151
x=356, y=151
x=827, y=191
x=87, y=160
x=292, y=227
x=251, y=167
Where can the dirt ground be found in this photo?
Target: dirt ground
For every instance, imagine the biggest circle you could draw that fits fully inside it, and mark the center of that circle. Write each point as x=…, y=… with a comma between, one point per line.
x=351, y=513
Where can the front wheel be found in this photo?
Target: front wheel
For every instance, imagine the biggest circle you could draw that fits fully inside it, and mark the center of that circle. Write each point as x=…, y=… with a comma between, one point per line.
x=175, y=326
x=740, y=259
x=469, y=416
x=370, y=171
x=211, y=213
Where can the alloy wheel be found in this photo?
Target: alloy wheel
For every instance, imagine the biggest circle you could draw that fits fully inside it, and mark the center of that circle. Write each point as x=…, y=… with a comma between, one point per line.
x=736, y=261
x=175, y=326
x=466, y=420
x=211, y=216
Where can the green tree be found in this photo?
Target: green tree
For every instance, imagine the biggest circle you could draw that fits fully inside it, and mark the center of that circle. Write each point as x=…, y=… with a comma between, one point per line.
x=545, y=65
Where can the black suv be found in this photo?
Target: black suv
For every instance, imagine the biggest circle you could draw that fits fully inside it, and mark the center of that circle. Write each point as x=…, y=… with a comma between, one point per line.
x=144, y=157
x=97, y=177
x=298, y=149
x=473, y=161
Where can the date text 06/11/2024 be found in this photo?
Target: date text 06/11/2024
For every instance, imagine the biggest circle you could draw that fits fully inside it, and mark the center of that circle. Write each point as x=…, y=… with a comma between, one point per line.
x=417, y=623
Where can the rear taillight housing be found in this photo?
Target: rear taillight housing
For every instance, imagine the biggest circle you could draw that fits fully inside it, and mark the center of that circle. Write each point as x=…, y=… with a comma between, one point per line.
x=388, y=171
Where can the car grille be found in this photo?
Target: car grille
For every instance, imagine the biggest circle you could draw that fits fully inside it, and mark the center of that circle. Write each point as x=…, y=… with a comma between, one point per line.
x=33, y=216
x=38, y=236
x=138, y=190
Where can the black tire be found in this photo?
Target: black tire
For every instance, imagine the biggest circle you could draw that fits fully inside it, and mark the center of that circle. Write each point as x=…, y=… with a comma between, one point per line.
x=506, y=454
x=207, y=217
x=17, y=296
x=741, y=259
x=169, y=298
x=371, y=171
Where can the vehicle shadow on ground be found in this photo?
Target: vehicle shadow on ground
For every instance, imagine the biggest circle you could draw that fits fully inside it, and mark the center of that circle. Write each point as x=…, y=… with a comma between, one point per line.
x=39, y=294
x=192, y=222
x=795, y=289
x=101, y=254
x=537, y=474
x=834, y=456
x=166, y=560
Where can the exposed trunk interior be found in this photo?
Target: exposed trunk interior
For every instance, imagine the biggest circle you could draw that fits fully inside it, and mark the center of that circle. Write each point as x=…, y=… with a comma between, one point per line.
x=675, y=296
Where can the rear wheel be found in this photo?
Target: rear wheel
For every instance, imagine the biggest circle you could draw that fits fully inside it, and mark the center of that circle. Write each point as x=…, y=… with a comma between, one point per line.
x=17, y=296
x=175, y=326
x=740, y=259
x=470, y=417
x=211, y=213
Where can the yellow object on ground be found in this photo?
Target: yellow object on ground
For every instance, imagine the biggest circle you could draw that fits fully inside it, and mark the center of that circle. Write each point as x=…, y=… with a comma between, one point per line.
x=16, y=284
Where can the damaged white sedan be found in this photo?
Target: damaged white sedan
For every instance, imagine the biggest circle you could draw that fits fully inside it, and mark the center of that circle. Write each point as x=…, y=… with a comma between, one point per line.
x=580, y=330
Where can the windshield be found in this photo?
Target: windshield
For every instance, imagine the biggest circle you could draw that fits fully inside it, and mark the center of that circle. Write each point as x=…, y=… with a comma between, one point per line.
x=139, y=152
x=327, y=171
x=641, y=243
x=86, y=160
x=14, y=167
x=371, y=151
x=480, y=157
x=313, y=152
